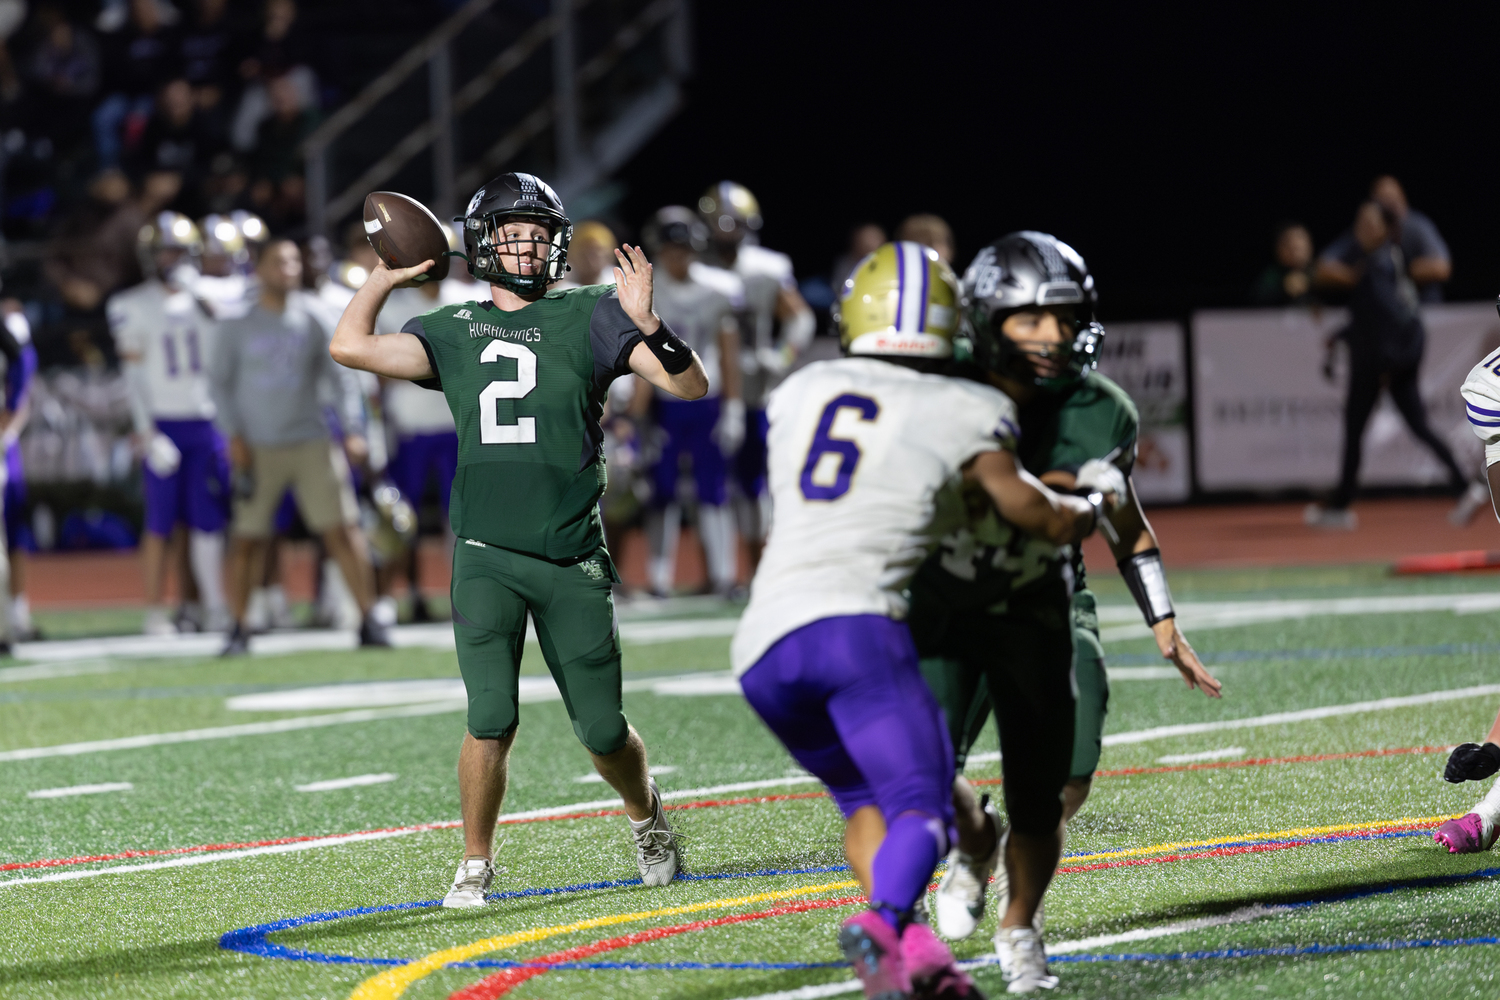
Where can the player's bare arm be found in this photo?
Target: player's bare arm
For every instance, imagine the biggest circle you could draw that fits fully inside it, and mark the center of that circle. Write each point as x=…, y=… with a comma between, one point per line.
x=633, y=285
x=1024, y=501
x=1131, y=535
x=355, y=344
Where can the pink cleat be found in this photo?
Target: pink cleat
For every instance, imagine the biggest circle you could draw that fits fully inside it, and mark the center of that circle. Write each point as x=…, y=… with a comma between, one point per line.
x=1465, y=835
x=934, y=975
x=872, y=947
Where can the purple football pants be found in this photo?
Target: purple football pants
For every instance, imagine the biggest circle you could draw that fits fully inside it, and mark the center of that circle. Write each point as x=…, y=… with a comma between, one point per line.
x=847, y=698
x=689, y=427
x=197, y=494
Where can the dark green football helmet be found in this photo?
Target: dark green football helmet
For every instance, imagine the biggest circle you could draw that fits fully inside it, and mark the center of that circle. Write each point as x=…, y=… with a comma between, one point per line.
x=508, y=198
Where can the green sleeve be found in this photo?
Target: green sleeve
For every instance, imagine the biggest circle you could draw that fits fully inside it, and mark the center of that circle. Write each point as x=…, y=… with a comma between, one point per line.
x=1098, y=421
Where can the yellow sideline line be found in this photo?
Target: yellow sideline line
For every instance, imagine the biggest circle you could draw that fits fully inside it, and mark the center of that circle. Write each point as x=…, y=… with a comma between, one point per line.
x=392, y=983
x=1301, y=831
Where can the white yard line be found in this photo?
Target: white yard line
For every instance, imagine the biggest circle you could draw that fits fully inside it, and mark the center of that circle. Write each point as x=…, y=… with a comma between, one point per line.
x=71, y=790
x=62, y=668
x=334, y=841
x=1203, y=615
x=1240, y=916
x=1193, y=758
x=357, y=781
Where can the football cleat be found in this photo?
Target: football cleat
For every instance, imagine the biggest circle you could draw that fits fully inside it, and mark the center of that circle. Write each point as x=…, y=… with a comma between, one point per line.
x=237, y=643
x=1332, y=518
x=1023, y=959
x=470, y=884
x=1469, y=834
x=872, y=947
x=1475, y=497
x=960, y=896
x=655, y=844
x=1001, y=883
x=1472, y=762
x=930, y=965
x=158, y=622
x=372, y=632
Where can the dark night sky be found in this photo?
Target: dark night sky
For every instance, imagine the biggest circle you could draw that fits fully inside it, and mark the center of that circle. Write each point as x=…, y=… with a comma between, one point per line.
x=1163, y=145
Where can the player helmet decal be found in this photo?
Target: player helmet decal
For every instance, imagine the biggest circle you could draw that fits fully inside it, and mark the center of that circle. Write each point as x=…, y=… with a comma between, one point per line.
x=675, y=224
x=900, y=301
x=167, y=231
x=1031, y=271
x=509, y=197
x=730, y=211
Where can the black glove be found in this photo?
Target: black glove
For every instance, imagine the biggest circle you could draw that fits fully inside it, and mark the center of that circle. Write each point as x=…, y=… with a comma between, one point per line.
x=1472, y=762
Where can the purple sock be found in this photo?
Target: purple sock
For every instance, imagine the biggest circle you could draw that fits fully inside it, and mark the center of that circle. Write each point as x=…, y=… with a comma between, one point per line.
x=904, y=864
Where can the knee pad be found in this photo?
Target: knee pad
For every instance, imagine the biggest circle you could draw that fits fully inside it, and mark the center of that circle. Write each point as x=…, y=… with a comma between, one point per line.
x=492, y=716
x=604, y=734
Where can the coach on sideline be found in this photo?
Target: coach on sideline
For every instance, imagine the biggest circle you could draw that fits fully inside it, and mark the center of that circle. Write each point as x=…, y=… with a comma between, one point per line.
x=266, y=372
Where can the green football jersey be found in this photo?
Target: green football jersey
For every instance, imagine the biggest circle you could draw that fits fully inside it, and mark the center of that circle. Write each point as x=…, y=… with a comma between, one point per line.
x=981, y=565
x=527, y=389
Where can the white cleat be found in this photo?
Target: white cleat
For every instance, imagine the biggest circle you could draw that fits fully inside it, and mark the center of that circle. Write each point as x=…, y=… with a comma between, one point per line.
x=655, y=844
x=1475, y=497
x=470, y=884
x=158, y=622
x=1023, y=959
x=959, y=901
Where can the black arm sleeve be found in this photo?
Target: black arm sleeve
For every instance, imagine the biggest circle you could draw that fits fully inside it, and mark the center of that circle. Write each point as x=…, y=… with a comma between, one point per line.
x=414, y=327
x=613, y=335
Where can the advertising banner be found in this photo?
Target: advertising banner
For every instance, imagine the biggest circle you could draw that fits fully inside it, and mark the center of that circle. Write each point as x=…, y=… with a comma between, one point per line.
x=1267, y=418
x=1147, y=360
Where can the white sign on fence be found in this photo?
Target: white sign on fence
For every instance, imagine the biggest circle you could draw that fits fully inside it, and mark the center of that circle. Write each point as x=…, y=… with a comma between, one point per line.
x=1267, y=419
x=1146, y=359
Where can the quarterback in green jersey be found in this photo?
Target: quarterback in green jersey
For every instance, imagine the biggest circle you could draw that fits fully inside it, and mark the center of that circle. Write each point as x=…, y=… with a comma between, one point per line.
x=1004, y=620
x=525, y=373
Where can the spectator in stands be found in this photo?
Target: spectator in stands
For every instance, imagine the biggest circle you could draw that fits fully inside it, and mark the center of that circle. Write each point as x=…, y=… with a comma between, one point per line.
x=93, y=252
x=931, y=231
x=207, y=51
x=277, y=189
x=64, y=71
x=177, y=139
x=1288, y=280
x=267, y=371
x=864, y=240
x=1421, y=245
x=138, y=60
x=1385, y=338
x=281, y=49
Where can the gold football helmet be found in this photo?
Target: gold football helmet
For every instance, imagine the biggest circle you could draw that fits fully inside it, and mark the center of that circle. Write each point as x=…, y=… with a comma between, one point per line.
x=730, y=211
x=900, y=301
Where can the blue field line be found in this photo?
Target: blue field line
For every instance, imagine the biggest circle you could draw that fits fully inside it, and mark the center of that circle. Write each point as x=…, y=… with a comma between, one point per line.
x=1352, y=653
x=255, y=940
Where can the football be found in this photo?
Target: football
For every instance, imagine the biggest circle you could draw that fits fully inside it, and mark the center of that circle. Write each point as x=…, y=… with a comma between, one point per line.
x=404, y=233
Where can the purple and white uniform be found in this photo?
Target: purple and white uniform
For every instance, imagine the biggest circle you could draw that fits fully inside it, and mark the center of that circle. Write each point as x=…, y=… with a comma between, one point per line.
x=170, y=336
x=865, y=464
x=426, y=440
x=17, y=391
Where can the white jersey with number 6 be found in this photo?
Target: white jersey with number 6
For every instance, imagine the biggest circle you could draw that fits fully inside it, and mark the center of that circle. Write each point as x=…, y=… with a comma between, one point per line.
x=866, y=458
x=173, y=337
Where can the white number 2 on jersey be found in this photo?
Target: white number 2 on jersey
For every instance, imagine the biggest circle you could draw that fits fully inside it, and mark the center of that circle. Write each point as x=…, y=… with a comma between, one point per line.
x=491, y=430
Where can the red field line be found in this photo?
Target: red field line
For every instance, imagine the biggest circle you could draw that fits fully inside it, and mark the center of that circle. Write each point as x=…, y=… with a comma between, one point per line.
x=703, y=804
x=503, y=982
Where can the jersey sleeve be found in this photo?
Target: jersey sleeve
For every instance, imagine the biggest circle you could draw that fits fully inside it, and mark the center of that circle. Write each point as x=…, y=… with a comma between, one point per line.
x=1481, y=392
x=128, y=336
x=1100, y=421
x=613, y=335
x=994, y=427
x=415, y=327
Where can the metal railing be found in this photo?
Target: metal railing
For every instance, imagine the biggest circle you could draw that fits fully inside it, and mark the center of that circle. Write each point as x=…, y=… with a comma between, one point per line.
x=578, y=166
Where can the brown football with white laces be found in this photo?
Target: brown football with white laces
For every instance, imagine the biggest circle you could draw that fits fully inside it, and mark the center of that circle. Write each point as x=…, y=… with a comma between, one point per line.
x=405, y=233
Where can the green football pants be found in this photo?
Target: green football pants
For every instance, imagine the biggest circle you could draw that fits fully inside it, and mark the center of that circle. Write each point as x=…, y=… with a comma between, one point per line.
x=573, y=608
x=1020, y=661
x=962, y=690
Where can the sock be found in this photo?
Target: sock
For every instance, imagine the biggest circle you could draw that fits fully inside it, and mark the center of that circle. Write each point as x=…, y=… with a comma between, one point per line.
x=206, y=553
x=903, y=866
x=1488, y=808
x=663, y=528
x=638, y=825
x=716, y=525
x=20, y=612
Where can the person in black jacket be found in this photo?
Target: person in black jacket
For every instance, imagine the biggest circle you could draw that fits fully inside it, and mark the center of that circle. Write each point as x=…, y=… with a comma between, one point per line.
x=1385, y=338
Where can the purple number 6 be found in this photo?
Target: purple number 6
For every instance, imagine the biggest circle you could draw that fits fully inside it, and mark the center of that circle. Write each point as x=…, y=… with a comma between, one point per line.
x=847, y=451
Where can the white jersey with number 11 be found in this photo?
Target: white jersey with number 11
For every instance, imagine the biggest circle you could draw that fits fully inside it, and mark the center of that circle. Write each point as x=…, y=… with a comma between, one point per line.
x=866, y=458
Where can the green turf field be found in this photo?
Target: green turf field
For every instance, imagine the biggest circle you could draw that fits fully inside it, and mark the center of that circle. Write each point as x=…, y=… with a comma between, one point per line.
x=1242, y=875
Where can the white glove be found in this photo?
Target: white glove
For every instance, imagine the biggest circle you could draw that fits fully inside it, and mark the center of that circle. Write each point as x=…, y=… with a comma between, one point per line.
x=1104, y=477
x=774, y=362
x=162, y=456
x=729, y=432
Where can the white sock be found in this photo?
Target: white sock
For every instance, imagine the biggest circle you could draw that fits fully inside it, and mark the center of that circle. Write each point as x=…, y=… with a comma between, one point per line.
x=206, y=553
x=663, y=528
x=338, y=600
x=257, y=615
x=20, y=613
x=716, y=525
x=276, y=604
x=1488, y=808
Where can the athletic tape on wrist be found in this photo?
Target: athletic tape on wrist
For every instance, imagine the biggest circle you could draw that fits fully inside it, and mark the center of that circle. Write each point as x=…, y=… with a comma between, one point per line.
x=675, y=356
x=1147, y=581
